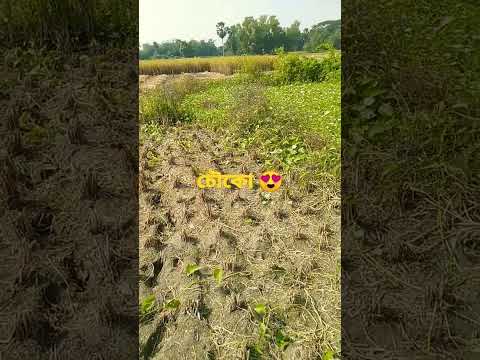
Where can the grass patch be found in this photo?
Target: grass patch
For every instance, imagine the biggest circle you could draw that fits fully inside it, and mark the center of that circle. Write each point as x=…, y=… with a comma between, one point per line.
x=148, y=308
x=292, y=126
x=162, y=106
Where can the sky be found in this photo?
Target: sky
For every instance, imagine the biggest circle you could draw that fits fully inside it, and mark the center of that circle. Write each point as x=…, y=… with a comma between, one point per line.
x=162, y=20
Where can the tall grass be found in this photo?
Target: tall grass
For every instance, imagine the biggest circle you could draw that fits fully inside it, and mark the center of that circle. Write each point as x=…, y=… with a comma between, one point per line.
x=68, y=24
x=225, y=65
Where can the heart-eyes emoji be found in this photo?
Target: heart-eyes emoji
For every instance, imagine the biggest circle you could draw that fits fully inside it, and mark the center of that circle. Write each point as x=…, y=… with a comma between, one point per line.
x=270, y=181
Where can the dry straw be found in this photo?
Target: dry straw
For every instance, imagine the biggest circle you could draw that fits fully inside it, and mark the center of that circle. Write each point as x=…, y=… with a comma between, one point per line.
x=225, y=65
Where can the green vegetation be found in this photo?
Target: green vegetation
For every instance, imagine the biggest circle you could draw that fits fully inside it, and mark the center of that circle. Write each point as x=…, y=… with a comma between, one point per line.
x=68, y=24
x=326, y=32
x=293, y=68
x=292, y=121
x=178, y=49
x=192, y=269
x=172, y=304
x=410, y=171
x=218, y=275
x=285, y=128
x=148, y=307
x=287, y=304
x=263, y=35
x=270, y=331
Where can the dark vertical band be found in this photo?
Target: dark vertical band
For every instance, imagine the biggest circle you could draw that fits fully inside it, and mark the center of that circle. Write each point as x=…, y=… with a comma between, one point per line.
x=410, y=222
x=69, y=167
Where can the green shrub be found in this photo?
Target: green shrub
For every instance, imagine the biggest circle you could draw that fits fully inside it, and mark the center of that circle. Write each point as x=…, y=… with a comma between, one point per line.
x=163, y=105
x=325, y=46
x=292, y=68
x=332, y=65
x=251, y=69
x=157, y=106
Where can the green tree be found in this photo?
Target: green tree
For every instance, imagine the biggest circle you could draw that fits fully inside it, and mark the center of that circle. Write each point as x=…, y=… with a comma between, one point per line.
x=263, y=35
x=247, y=35
x=146, y=51
x=222, y=31
x=259, y=36
x=294, y=37
x=324, y=32
x=276, y=34
x=233, y=41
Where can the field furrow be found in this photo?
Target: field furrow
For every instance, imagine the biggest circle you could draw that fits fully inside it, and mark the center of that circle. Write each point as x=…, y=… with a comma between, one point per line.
x=276, y=250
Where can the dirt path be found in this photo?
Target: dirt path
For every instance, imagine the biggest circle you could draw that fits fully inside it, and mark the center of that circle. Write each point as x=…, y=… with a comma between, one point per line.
x=280, y=249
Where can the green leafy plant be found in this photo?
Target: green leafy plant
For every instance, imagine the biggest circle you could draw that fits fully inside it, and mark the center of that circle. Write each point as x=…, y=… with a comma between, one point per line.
x=328, y=355
x=292, y=68
x=218, y=275
x=270, y=330
x=192, y=269
x=282, y=340
x=148, y=306
x=279, y=51
x=260, y=309
x=172, y=304
x=254, y=352
x=325, y=46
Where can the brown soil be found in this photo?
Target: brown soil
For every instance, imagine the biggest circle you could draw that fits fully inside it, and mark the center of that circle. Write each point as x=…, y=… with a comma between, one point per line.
x=280, y=249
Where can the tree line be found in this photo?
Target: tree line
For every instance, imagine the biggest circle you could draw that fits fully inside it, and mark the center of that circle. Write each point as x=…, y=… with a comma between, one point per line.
x=263, y=35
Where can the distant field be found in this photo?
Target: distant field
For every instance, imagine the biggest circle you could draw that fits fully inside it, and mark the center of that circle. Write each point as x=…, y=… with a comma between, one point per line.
x=225, y=65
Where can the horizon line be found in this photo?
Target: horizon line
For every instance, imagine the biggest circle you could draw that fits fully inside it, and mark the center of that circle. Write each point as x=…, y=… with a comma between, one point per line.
x=215, y=39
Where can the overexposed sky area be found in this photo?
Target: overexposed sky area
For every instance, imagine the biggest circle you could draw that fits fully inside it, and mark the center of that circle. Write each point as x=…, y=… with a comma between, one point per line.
x=162, y=20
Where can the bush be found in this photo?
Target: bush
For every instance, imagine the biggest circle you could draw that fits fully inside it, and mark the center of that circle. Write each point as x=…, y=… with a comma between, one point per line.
x=251, y=68
x=163, y=105
x=249, y=111
x=156, y=106
x=292, y=68
x=325, y=46
x=332, y=65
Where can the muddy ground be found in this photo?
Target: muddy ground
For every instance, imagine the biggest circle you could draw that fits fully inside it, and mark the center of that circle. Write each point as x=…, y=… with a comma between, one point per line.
x=280, y=249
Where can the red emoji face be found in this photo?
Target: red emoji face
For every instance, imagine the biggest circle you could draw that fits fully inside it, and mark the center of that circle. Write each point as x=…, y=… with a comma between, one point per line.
x=270, y=181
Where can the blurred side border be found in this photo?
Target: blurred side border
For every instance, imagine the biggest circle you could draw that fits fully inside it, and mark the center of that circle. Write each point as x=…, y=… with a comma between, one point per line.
x=69, y=179
x=410, y=180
